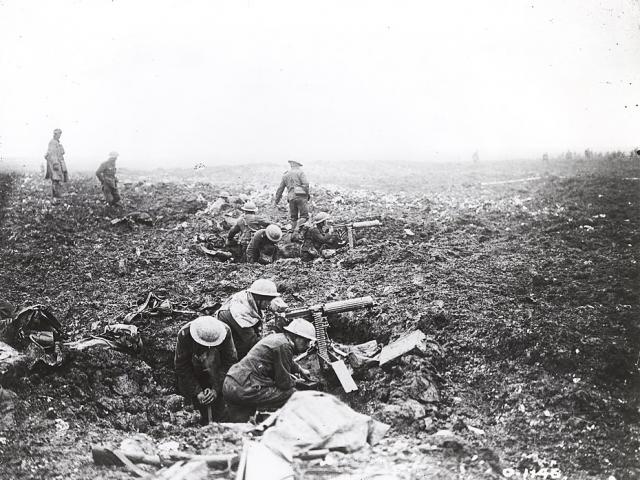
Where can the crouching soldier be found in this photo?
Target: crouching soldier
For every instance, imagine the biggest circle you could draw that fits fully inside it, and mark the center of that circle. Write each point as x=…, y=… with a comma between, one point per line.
x=204, y=353
x=246, y=226
x=244, y=313
x=264, y=378
x=316, y=238
x=263, y=247
x=106, y=173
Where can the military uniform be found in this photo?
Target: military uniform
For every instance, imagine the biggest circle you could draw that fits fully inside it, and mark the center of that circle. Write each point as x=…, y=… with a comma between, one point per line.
x=314, y=241
x=247, y=225
x=261, y=249
x=106, y=173
x=56, y=166
x=262, y=379
x=199, y=367
x=297, y=194
x=241, y=314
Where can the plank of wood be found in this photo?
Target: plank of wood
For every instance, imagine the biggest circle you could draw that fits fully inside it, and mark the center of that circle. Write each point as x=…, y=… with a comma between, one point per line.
x=404, y=344
x=346, y=380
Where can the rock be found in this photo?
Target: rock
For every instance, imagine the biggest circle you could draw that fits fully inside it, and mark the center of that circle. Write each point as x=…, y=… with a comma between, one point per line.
x=446, y=439
x=8, y=400
x=125, y=386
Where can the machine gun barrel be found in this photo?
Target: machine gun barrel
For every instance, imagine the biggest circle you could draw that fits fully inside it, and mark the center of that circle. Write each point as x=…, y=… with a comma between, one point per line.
x=339, y=306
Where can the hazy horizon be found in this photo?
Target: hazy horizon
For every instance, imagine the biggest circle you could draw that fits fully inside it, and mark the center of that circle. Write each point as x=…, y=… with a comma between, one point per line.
x=174, y=84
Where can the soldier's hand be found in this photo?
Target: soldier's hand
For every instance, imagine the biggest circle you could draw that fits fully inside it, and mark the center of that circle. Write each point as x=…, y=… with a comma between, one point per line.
x=305, y=373
x=207, y=396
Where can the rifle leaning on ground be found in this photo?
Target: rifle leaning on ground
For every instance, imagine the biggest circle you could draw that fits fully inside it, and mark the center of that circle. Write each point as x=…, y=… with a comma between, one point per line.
x=317, y=314
x=349, y=227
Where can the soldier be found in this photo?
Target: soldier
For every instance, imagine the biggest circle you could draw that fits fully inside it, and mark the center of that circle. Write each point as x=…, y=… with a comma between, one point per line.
x=297, y=194
x=263, y=246
x=263, y=379
x=56, y=166
x=106, y=173
x=316, y=238
x=244, y=313
x=247, y=225
x=204, y=352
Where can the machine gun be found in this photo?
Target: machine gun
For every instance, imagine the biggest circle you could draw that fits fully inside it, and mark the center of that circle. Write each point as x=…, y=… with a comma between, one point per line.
x=349, y=227
x=317, y=314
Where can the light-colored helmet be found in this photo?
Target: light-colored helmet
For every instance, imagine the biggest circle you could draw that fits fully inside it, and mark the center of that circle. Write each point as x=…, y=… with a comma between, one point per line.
x=321, y=217
x=224, y=194
x=249, y=207
x=274, y=233
x=208, y=331
x=302, y=328
x=57, y=130
x=264, y=287
x=113, y=154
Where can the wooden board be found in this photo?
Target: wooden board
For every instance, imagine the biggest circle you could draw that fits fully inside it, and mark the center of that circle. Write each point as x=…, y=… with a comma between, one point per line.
x=404, y=344
x=341, y=371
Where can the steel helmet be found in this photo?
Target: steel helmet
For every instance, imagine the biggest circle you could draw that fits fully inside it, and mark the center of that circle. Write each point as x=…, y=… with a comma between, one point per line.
x=224, y=194
x=249, y=207
x=113, y=154
x=208, y=331
x=273, y=233
x=302, y=328
x=295, y=162
x=321, y=217
x=264, y=287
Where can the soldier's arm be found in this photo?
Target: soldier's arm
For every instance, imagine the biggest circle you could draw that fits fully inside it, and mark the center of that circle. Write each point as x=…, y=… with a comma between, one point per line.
x=187, y=382
x=280, y=190
x=283, y=367
x=253, y=250
x=304, y=182
x=100, y=171
x=234, y=231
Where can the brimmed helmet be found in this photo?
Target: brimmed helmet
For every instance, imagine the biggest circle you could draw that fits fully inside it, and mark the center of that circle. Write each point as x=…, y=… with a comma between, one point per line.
x=264, y=287
x=295, y=162
x=208, y=331
x=249, y=207
x=302, y=328
x=224, y=194
x=273, y=233
x=321, y=217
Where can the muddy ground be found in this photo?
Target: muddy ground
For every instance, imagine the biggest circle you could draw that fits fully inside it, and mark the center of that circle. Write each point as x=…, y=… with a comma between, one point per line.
x=531, y=287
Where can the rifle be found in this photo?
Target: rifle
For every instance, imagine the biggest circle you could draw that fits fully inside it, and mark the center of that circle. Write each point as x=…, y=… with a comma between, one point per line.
x=350, y=226
x=317, y=314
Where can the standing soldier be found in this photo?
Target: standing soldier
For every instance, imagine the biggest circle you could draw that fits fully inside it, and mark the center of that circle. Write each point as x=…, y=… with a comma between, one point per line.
x=297, y=194
x=247, y=225
x=56, y=166
x=204, y=353
x=106, y=173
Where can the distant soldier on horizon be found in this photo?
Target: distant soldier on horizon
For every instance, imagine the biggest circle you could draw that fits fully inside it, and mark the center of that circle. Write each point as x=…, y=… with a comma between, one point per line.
x=475, y=157
x=297, y=194
x=106, y=173
x=56, y=166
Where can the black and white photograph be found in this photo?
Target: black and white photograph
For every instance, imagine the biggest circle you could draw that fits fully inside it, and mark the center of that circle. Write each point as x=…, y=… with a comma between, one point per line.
x=319, y=240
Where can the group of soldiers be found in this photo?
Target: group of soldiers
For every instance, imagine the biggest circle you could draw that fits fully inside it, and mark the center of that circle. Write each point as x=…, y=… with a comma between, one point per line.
x=227, y=370
x=57, y=171
x=224, y=366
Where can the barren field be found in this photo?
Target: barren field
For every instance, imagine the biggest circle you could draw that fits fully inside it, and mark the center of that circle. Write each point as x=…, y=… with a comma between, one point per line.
x=530, y=287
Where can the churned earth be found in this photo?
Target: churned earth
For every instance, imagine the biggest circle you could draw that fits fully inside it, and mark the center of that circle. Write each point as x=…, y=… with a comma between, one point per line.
x=525, y=273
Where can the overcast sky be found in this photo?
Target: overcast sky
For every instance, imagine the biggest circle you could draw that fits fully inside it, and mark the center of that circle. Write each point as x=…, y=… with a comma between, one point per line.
x=177, y=82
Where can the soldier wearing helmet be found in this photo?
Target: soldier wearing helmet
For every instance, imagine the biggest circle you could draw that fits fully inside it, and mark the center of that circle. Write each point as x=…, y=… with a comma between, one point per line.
x=106, y=173
x=316, y=237
x=297, y=194
x=244, y=312
x=263, y=379
x=263, y=246
x=247, y=225
x=204, y=352
x=56, y=166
